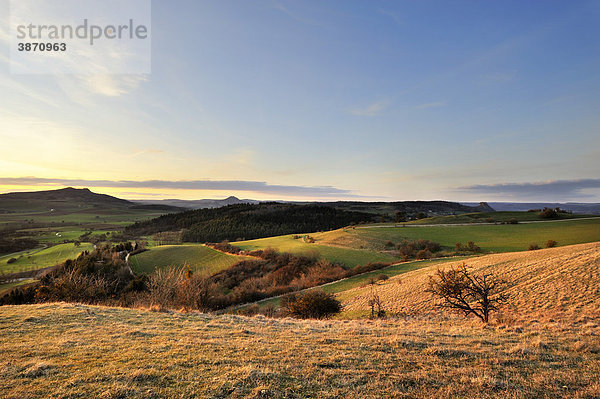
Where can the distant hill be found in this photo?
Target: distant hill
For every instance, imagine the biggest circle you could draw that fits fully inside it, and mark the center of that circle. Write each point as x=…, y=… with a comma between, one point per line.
x=199, y=204
x=410, y=208
x=62, y=199
x=66, y=194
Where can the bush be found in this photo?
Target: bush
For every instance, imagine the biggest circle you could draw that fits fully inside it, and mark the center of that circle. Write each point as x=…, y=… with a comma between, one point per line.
x=408, y=249
x=382, y=277
x=314, y=304
x=551, y=244
x=423, y=254
x=533, y=247
x=470, y=247
x=11, y=260
x=549, y=213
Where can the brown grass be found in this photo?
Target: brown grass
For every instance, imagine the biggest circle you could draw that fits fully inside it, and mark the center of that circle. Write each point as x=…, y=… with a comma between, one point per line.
x=64, y=350
x=545, y=285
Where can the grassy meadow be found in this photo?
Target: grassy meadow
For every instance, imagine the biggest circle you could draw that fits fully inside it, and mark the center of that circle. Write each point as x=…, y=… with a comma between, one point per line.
x=544, y=285
x=298, y=246
x=69, y=350
x=200, y=257
x=491, y=238
x=493, y=217
x=41, y=258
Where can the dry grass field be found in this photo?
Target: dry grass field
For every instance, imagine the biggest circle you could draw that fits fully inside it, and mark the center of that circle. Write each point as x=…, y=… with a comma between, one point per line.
x=68, y=351
x=548, y=284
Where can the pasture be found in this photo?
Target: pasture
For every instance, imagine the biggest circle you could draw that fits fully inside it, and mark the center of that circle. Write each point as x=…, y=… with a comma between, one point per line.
x=298, y=246
x=491, y=238
x=199, y=257
x=70, y=350
x=492, y=217
x=41, y=258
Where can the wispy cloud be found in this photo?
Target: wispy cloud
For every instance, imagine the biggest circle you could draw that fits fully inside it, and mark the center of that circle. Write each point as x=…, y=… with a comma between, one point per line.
x=370, y=110
x=217, y=185
x=548, y=190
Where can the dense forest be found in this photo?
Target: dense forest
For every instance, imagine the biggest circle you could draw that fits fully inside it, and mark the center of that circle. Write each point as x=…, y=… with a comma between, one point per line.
x=248, y=221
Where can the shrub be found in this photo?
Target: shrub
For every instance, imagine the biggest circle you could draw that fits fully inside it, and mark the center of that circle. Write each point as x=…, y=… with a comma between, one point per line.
x=549, y=213
x=423, y=254
x=533, y=247
x=178, y=287
x=314, y=304
x=473, y=247
x=382, y=277
x=11, y=260
x=470, y=247
x=389, y=244
x=551, y=244
x=225, y=246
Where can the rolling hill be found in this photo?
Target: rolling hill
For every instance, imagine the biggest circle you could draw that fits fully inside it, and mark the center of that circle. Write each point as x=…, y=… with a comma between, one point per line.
x=492, y=238
x=545, y=285
x=199, y=257
x=57, y=199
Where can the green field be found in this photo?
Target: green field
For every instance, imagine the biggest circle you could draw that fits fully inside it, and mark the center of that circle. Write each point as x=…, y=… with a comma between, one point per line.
x=57, y=235
x=41, y=258
x=199, y=257
x=88, y=217
x=492, y=217
x=347, y=256
x=491, y=238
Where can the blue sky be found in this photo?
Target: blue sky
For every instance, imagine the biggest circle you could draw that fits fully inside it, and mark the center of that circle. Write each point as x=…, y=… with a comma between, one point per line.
x=392, y=100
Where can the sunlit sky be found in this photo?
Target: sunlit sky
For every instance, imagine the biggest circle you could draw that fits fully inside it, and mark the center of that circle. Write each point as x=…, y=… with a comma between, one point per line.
x=365, y=100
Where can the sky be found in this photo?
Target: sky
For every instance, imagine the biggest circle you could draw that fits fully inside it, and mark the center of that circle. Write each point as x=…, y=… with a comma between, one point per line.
x=360, y=100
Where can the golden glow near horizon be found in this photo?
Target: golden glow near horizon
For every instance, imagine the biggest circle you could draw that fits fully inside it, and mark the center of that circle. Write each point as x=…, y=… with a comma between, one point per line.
x=159, y=194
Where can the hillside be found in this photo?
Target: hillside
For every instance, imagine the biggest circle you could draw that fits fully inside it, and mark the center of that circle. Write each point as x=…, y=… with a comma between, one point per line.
x=248, y=221
x=298, y=246
x=549, y=284
x=47, y=200
x=409, y=209
x=64, y=350
x=492, y=238
x=199, y=257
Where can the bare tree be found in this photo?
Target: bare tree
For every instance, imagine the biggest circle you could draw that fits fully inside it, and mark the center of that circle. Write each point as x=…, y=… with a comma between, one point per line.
x=468, y=293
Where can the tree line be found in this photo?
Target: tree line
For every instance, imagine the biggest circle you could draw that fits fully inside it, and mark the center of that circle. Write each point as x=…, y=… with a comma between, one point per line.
x=249, y=221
